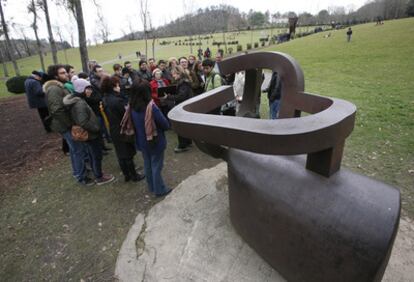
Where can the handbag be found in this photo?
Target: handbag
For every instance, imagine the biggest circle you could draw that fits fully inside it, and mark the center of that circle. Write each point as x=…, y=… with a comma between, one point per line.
x=79, y=134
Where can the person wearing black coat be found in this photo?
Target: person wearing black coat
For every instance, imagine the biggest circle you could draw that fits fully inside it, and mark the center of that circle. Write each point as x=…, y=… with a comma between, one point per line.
x=114, y=106
x=183, y=92
x=36, y=97
x=274, y=93
x=143, y=71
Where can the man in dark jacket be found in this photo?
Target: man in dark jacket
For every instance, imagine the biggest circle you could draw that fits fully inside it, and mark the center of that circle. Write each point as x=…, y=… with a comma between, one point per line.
x=274, y=93
x=143, y=72
x=36, y=96
x=94, y=101
x=61, y=120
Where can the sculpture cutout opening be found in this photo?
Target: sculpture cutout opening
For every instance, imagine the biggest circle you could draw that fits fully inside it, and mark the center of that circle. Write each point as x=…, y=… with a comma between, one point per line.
x=315, y=224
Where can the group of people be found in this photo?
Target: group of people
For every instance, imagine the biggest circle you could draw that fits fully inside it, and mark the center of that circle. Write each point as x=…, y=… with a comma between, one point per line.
x=123, y=108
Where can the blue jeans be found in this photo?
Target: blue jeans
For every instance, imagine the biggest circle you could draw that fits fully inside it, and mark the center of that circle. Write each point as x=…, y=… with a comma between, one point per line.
x=153, y=163
x=274, y=109
x=95, y=156
x=77, y=151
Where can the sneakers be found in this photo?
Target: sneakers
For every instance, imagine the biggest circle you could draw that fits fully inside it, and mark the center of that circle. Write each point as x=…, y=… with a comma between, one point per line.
x=87, y=182
x=106, y=178
x=180, y=150
x=163, y=194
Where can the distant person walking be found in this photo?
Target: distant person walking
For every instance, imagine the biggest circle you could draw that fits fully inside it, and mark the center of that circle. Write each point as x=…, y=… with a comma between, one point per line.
x=349, y=34
x=36, y=96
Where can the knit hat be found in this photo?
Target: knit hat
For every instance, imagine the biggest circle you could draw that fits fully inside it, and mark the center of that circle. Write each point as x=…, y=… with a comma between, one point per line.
x=156, y=70
x=80, y=85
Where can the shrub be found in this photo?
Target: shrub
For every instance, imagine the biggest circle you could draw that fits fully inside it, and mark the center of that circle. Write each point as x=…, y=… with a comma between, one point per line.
x=230, y=50
x=16, y=84
x=263, y=43
x=249, y=46
x=239, y=48
x=256, y=45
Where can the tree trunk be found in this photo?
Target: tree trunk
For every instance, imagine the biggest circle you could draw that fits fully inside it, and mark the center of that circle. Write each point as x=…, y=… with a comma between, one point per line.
x=153, y=47
x=26, y=45
x=39, y=45
x=49, y=30
x=16, y=47
x=83, y=49
x=146, y=43
x=8, y=45
x=3, y=62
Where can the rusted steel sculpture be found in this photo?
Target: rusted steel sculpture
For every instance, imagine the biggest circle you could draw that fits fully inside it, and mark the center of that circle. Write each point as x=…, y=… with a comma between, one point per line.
x=313, y=224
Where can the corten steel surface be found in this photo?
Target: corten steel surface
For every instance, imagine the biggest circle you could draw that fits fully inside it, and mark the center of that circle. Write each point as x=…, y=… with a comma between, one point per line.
x=320, y=135
x=309, y=226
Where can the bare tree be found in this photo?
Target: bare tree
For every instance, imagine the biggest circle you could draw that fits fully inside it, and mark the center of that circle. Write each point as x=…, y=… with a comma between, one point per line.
x=6, y=36
x=26, y=44
x=144, y=19
x=153, y=35
x=131, y=30
x=59, y=33
x=103, y=28
x=33, y=9
x=76, y=7
x=3, y=60
x=44, y=6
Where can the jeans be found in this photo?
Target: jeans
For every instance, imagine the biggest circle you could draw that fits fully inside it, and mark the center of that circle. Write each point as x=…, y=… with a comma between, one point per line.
x=153, y=163
x=183, y=142
x=77, y=151
x=274, y=109
x=95, y=156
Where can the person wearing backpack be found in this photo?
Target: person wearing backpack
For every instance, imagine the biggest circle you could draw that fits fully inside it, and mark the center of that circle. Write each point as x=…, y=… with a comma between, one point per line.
x=36, y=97
x=83, y=116
x=213, y=79
x=274, y=93
x=61, y=121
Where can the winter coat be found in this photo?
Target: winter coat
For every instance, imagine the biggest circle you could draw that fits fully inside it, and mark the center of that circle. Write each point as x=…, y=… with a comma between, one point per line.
x=213, y=80
x=61, y=121
x=184, y=91
x=145, y=75
x=34, y=93
x=167, y=75
x=82, y=114
x=69, y=86
x=96, y=98
x=162, y=124
x=115, y=110
x=154, y=90
x=274, y=91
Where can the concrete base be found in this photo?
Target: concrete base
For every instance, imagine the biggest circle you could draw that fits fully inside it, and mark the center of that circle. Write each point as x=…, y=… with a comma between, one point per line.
x=188, y=237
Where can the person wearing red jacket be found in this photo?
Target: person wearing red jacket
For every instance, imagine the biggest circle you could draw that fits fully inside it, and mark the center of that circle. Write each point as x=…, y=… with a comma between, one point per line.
x=156, y=82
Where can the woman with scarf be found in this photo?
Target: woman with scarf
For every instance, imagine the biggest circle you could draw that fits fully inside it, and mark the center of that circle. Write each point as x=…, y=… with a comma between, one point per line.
x=115, y=109
x=149, y=124
x=156, y=83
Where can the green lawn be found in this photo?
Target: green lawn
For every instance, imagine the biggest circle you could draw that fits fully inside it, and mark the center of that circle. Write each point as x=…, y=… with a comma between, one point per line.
x=375, y=72
x=110, y=51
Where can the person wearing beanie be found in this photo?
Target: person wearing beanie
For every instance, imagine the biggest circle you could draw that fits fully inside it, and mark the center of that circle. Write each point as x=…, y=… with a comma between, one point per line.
x=83, y=116
x=36, y=96
x=155, y=83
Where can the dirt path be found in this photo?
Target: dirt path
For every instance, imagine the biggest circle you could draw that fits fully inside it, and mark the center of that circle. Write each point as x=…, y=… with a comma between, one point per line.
x=25, y=146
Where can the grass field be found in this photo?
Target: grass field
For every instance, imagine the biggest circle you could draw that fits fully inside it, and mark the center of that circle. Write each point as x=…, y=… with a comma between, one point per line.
x=52, y=229
x=109, y=52
x=375, y=71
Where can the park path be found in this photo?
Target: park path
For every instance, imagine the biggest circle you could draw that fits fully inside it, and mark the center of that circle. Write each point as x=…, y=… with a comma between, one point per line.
x=129, y=56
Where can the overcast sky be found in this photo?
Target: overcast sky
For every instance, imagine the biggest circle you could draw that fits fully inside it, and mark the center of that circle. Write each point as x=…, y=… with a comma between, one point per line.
x=119, y=13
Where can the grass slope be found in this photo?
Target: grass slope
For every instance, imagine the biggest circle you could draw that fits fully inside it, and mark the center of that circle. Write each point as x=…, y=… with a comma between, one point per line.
x=375, y=72
x=109, y=52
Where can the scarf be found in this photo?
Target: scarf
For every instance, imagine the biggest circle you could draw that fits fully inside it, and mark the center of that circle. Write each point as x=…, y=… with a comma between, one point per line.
x=150, y=127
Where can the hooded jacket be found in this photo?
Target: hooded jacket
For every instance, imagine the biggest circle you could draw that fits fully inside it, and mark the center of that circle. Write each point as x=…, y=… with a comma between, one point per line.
x=34, y=93
x=61, y=121
x=82, y=114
